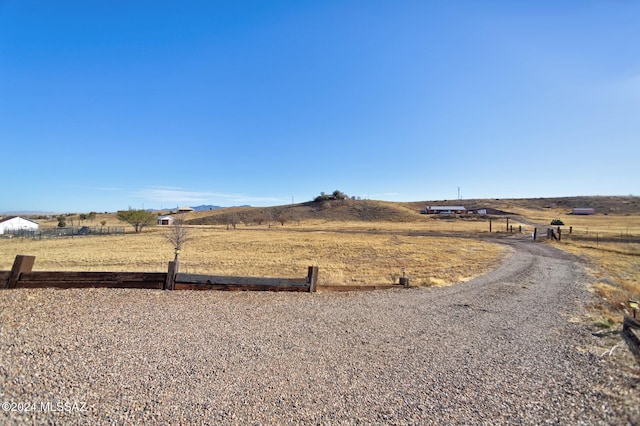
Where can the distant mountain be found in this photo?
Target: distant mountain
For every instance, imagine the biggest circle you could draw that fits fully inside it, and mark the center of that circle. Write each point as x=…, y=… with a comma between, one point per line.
x=205, y=207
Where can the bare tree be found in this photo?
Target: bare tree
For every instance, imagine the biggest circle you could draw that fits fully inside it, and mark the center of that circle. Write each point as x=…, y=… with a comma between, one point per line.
x=178, y=235
x=259, y=218
x=280, y=216
x=232, y=219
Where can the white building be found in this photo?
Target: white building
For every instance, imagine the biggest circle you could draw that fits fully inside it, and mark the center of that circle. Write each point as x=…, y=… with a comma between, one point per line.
x=166, y=220
x=444, y=210
x=583, y=211
x=16, y=223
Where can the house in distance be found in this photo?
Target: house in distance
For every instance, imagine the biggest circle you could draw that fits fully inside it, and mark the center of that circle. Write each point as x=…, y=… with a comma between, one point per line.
x=583, y=211
x=444, y=210
x=165, y=220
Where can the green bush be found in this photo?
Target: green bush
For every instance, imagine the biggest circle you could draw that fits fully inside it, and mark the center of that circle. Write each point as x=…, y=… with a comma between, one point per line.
x=137, y=218
x=557, y=222
x=336, y=195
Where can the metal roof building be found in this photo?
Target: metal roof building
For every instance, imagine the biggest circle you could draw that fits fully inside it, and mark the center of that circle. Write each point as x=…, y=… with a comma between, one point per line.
x=444, y=210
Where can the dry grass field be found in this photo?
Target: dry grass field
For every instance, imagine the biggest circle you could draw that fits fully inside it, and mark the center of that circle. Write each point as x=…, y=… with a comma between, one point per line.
x=342, y=257
x=616, y=267
x=358, y=242
x=611, y=245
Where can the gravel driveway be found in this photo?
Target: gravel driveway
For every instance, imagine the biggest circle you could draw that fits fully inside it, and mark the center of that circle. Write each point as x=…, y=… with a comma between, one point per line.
x=505, y=348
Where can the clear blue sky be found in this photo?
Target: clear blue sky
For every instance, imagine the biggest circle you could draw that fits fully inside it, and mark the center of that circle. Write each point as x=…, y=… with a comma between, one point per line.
x=111, y=104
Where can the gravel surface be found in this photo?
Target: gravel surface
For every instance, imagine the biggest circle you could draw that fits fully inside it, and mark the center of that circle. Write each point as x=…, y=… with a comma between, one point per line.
x=505, y=348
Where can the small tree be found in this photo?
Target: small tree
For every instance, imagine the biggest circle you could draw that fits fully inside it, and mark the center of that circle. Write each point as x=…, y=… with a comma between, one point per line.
x=178, y=235
x=279, y=216
x=335, y=195
x=61, y=221
x=322, y=197
x=232, y=219
x=137, y=218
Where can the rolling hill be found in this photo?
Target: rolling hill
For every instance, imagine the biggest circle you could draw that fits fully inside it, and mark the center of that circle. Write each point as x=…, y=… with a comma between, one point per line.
x=372, y=210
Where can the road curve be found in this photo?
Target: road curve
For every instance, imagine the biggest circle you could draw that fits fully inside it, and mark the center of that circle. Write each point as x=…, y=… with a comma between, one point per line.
x=500, y=349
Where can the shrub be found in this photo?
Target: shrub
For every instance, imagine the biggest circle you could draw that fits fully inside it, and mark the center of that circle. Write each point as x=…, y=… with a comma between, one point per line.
x=136, y=218
x=339, y=195
x=336, y=195
x=557, y=222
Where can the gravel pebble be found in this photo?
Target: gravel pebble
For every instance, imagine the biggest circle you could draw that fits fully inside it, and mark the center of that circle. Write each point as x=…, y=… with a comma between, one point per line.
x=504, y=348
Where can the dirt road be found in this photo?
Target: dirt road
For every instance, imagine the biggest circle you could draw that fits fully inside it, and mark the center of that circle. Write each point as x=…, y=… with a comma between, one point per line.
x=505, y=348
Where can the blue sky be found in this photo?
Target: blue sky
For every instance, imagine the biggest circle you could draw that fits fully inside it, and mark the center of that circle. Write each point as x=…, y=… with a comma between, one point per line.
x=110, y=105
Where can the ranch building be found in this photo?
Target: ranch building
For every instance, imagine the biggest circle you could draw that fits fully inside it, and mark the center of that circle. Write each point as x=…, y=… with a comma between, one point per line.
x=583, y=211
x=165, y=220
x=443, y=210
x=12, y=224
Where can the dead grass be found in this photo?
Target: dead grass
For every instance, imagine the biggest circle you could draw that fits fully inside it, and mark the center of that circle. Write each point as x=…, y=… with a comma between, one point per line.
x=606, y=241
x=616, y=267
x=364, y=242
x=346, y=253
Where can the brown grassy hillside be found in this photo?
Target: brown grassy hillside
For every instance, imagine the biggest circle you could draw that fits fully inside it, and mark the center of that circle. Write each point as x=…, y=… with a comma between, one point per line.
x=334, y=210
x=386, y=211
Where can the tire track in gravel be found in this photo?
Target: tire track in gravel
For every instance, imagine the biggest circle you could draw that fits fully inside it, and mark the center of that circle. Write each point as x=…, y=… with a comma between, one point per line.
x=499, y=349
x=510, y=344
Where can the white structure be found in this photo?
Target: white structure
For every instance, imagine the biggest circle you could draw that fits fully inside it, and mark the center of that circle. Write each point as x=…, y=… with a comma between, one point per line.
x=16, y=223
x=443, y=210
x=583, y=211
x=166, y=220
x=185, y=209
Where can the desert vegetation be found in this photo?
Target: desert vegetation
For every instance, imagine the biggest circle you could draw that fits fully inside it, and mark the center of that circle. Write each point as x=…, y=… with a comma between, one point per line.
x=343, y=257
x=139, y=219
x=354, y=242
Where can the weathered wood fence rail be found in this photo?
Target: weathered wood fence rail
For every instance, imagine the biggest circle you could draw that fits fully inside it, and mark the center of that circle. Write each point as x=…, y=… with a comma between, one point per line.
x=22, y=276
x=631, y=333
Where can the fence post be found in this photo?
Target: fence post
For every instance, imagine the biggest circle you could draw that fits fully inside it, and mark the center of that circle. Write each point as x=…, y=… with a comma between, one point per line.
x=170, y=282
x=507, y=224
x=404, y=281
x=535, y=233
x=312, y=278
x=21, y=264
x=489, y=225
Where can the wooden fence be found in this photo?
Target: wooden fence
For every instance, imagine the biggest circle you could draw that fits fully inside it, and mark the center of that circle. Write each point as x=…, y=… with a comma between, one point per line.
x=21, y=275
x=631, y=333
